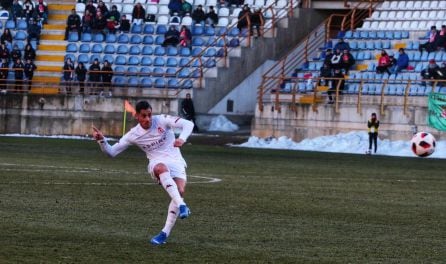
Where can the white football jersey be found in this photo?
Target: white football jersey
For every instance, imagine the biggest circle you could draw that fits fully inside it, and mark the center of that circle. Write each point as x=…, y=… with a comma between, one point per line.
x=157, y=142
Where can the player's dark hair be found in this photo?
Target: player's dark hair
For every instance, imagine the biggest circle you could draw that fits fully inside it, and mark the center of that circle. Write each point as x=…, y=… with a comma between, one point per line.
x=142, y=105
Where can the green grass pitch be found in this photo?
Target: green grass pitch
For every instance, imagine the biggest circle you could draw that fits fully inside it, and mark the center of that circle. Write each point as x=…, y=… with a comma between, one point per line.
x=63, y=201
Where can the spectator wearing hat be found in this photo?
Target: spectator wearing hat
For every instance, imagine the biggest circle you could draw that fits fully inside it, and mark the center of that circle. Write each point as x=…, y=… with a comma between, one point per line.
x=402, y=62
x=114, y=13
x=347, y=61
x=383, y=63
x=432, y=72
x=211, y=17
x=432, y=43
x=341, y=45
x=442, y=37
x=112, y=25
x=33, y=31
x=198, y=15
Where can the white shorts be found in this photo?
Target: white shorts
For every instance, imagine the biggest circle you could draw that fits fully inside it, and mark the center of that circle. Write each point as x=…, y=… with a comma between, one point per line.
x=176, y=169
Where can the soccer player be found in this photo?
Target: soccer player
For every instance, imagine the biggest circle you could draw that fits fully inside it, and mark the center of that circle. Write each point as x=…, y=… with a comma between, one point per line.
x=154, y=136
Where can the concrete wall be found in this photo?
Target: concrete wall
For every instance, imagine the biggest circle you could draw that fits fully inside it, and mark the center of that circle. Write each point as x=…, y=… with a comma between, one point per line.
x=289, y=34
x=61, y=115
x=306, y=123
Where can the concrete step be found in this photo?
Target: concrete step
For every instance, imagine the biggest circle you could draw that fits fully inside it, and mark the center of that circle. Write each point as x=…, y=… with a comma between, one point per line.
x=56, y=22
x=53, y=26
x=44, y=90
x=46, y=47
x=46, y=52
x=52, y=58
x=52, y=37
x=52, y=16
x=60, y=7
x=55, y=76
x=49, y=68
x=52, y=32
x=45, y=78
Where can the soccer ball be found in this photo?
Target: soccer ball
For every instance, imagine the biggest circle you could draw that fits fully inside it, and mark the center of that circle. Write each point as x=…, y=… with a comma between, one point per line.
x=423, y=144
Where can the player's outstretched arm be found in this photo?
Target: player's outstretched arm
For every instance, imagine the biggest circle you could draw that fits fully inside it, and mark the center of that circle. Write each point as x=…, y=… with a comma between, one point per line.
x=111, y=151
x=186, y=130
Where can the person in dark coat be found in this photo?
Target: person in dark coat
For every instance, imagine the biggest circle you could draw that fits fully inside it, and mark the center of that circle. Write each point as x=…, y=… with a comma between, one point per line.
x=347, y=61
x=325, y=72
x=257, y=21
x=18, y=68
x=373, y=125
x=16, y=53
x=4, y=71
x=172, y=37
x=29, y=69
x=340, y=81
x=94, y=75
x=73, y=24
x=432, y=42
x=33, y=31
x=6, y=36
x=188, y=110
x=243, y=17
x=107, y=75
x=30, y=52
x=211, y=17
x=198, y=15
x=81, y=74
x=68, y=69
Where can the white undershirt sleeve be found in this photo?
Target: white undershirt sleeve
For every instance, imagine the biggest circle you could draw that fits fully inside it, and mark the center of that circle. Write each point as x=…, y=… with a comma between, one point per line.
x=114, y=150
x=178, y=122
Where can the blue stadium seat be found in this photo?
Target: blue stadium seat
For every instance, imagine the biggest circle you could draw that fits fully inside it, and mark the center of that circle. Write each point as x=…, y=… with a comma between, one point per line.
x=86, y=37
x=234, y=32
x=397, y=35
x=136, y=39
x=149, y=29
x=146, y=82
x=160, y=51
x=221, y=42
x=161, y=29
x=99, y=38
x=133, y=81
x=187, y=84
x=95, y=57
x=119, y=70
x=198, y=41
x=386, y=44
x=73, y=37
x=136, y=29
x=372, y=34
x=171, y=62
x=145, y=71
x=10, y=24
x=109, y=49
x=147, y=50
x=381, y=35
x=209, y=63
x=370, y=45
x=159, y=40
x=133, y=60
x=120, y=60
x=184, y=61
x=159, y=61
x=83, y=58
x=147, y=40
x=197, y=31
x=413, y=91
x=22, y=25
x=97, y=48
x=172, y=51
x=71, y=56
x=158, y=71
x=146, y=61
x=184, y=52
x=210, y=52
x=378, y=45
x=364, y=34
x=196, y=73
x=173, y=83
x=222, y=31
x=119, y=81
x=84, y=48
x=132, y=71
x=184, y=73
x=196, y=51
x=108, y=58
x=405, y=34
x=361, y=45
x=110, y=38
x=123, y=39
x=389, y=34
x=122, y=49
x=360, y=56
x=348, y=34
x=209, y=31
x=171, y=71
x=160, y=83
x=20, y=35
x=21, y=44
x=134, y=50
x=71, y=47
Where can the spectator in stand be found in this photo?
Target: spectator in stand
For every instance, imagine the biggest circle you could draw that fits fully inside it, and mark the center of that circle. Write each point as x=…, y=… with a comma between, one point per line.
x=94, y=74
x=185, y=37
x=30, y=53
x=125, y=24
x=73, y=24
x=6, y=36
x=138, y=14
x=328, y=56
x=90, y=7
x=243, y=17
x=171, y=37
x=383, y=63
x=188, y=111
x=4, y=52
x=325, y=72
x=100, y=24
x=112, y=25
x=186, y=8
x=18, y=68
x=29, y=69
x=432, y=43
x=347, y=61
x=81, y=74
x=336, y=60
x=4, y=71
x=174, y=6
x=342, y=45
x=103, y=8
x=257, y=21
x=16, y=53
x=28, y=9
x=107, y=75
x=236, y=3
x=114, y=13
x=441, y=42
x=211, y=17
x=16, y=10
x=87, y=22
x=198, y=16
x=432, y=72
x=33, y=31
x=67, y=74
x=402, y=62
x=42, y=11
x=337, y=83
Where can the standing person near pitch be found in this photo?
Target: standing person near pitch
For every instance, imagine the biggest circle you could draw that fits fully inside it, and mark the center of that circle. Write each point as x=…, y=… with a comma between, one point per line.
x=373, y=125
x=154, y=136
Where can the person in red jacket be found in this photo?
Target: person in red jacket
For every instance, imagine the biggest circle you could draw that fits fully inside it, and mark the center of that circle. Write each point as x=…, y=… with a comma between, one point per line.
x=383, y=63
